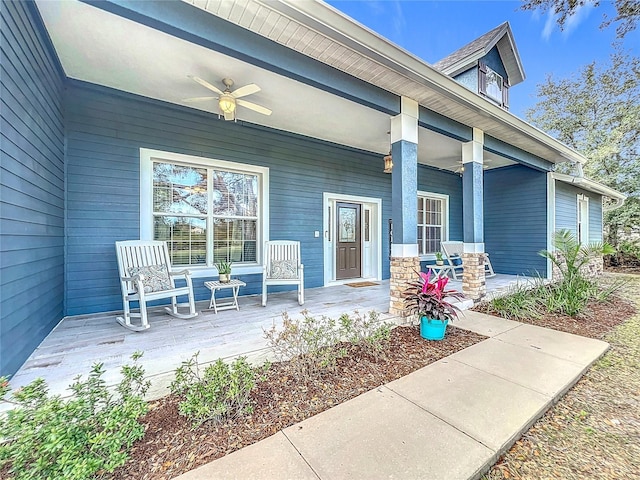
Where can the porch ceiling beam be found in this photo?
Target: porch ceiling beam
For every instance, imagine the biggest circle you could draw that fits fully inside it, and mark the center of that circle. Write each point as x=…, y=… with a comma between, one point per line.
x=184, y=21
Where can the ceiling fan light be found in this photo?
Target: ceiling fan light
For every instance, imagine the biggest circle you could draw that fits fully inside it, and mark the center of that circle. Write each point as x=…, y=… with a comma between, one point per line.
x=227, y=103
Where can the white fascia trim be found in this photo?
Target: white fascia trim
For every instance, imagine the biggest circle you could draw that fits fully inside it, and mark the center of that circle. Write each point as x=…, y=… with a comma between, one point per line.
x=146, y=183
x=404, y=250
x=591, y=186
x=322, y=17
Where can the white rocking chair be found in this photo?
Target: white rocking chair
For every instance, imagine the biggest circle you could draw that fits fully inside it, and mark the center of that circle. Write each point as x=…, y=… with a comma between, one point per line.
x=282, y=267
x=453, y=256
x=146, y=275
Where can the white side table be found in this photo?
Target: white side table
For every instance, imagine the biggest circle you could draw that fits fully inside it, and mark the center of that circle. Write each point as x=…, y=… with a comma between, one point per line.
x=214, y=286
x=441, y=270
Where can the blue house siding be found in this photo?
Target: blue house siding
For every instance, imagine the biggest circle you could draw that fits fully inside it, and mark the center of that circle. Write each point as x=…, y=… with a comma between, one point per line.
x=494, y=62
x=515, y=219
x=595, y=217
x=31, y=186
x=469, y=79
x=567, y=210
x=106, y=130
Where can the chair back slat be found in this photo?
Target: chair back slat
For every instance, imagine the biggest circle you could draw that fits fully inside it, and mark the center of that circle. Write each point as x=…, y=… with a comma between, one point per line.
x=277, y=250
x=141, y=253
x=453, y=248
x=282, y=250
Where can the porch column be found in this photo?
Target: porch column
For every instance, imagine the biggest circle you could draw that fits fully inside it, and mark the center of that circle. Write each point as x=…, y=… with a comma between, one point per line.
x=404, y=203
x=473, y=277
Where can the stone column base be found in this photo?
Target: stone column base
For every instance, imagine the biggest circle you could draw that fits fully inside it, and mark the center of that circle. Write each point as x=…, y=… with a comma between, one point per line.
x=473, y=276
x=593, y=268
x=403, y=271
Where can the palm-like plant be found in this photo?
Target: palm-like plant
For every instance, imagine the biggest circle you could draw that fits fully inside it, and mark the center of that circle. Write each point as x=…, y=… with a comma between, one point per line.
x=427, y=297
x=572, y=255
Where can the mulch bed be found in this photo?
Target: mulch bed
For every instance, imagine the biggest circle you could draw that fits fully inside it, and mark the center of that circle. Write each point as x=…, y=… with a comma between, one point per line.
x=595, y=322
x=172, y=446
x=627, y=269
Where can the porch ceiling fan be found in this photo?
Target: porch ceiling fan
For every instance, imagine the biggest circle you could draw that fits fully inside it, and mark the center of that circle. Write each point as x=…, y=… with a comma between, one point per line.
x=229, y=100
x=459, y=167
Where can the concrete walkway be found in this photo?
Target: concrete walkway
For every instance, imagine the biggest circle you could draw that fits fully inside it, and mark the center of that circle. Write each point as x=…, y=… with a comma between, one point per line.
x=449, y=420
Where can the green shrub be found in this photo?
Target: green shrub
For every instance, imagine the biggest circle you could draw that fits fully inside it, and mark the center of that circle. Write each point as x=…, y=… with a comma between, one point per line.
x=628, y=254
x=570, y=256
x=46, y=437
x=307, y=343
x=220, y=392
x=573, y=292
x=311, y=343
x=518, y=303
x=366, y=331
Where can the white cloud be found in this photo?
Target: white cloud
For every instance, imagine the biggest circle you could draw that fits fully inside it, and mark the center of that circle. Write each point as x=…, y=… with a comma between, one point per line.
x=572, y=22
x=582, y=13
x=549, y=25
x=398, y=20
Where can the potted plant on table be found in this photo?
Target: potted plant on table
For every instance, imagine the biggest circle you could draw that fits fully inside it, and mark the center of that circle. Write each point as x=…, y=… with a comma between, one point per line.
x=439, y=259
x=430, y=300
x=224, y=271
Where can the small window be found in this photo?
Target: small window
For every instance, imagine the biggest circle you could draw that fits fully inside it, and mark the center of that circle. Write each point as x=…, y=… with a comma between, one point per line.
x=583, y=219
x=433, y=213
x=494, y=85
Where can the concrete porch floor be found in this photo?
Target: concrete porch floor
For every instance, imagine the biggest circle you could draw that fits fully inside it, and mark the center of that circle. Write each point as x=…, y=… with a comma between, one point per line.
x=78, y=342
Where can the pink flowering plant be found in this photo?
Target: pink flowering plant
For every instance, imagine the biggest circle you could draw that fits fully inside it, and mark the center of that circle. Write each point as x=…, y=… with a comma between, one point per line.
x=428, y=297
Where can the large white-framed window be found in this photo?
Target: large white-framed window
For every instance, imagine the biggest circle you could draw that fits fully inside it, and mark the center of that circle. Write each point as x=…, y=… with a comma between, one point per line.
x=207, y=210
x=582, y=220
x=433, y=222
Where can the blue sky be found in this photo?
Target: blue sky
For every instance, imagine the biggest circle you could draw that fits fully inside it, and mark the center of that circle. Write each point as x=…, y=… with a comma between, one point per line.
x=434, y=29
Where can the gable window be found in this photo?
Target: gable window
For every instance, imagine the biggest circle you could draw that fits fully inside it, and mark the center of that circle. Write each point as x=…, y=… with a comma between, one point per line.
x=491, y=84
x=494, y=85
x=433, y=222
x=583, y=219
x=206, y=210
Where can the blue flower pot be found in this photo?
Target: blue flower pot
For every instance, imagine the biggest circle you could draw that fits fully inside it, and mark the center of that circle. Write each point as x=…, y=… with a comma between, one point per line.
x=432, y=329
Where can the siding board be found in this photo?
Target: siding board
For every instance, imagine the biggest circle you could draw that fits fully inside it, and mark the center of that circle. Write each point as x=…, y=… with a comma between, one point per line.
x=515, y=219
x=32, y=186
x=567, y=210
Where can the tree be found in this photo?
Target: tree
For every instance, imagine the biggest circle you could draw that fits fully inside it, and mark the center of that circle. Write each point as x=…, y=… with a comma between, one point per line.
x=627, y=12
x=597, y=113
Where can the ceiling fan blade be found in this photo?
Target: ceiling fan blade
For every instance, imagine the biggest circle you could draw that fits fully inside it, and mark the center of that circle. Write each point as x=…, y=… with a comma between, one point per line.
x=199, y=99
x=206, y=84
x=254, y=107
x=246, y=90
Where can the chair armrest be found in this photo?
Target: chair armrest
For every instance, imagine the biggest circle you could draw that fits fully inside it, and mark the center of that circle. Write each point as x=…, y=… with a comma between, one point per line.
x=180, y=273
x=134, y=279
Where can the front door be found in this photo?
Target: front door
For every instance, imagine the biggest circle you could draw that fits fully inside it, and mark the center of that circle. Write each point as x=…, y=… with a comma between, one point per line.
x=348, y=243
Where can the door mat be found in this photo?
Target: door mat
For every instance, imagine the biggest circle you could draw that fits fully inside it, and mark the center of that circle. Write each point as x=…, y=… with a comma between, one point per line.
x=361, y=284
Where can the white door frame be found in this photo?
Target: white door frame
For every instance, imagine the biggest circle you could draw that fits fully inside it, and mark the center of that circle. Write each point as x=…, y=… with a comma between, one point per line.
x=373, y=264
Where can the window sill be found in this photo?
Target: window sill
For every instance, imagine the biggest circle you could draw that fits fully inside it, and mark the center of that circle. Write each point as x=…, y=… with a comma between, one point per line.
x=208, y=272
